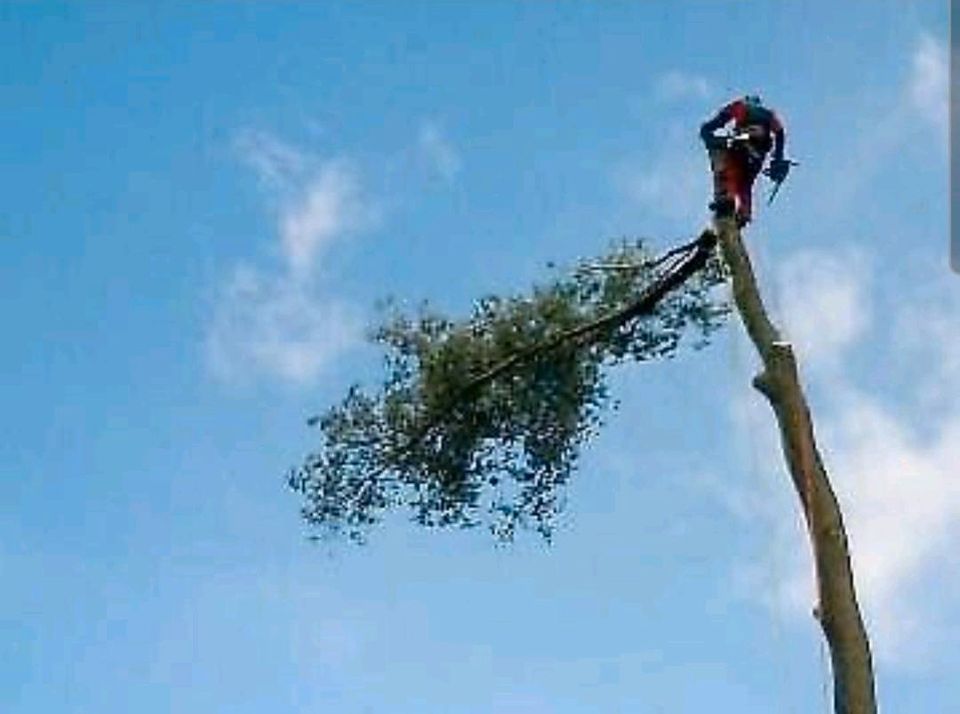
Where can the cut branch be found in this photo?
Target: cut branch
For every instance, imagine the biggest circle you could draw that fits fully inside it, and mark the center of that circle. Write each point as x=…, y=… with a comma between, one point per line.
x=486, y=417
x=694, y=257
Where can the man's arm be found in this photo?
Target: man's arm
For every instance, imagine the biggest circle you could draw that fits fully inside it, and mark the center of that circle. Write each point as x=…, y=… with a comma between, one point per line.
x=717, y=121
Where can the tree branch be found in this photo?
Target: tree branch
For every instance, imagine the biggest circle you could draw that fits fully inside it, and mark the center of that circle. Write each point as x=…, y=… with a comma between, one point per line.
x=697, y=253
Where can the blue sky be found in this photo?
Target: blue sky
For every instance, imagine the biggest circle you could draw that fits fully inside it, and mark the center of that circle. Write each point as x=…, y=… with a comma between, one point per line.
x=203, y=202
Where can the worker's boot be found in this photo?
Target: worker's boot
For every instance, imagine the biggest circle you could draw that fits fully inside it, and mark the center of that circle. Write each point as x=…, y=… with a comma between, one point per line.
x=722, y=206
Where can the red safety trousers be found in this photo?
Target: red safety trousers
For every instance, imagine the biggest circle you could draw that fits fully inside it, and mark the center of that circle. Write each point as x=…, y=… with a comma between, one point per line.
x=733, y=175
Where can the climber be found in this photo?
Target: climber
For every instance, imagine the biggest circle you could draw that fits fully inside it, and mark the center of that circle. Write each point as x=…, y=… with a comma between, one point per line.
x=736, y=159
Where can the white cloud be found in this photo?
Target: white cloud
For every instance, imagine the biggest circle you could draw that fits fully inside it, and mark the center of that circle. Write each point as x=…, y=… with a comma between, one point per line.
x=678, y=86
x=915, y=112
x=931, y=337
x=902, y=505
x=439, y=151
x=271, y=324
x=928, y=86
x=328, y=207
x=670, y=186
x=316, y=201
x=278, y=164
x=824, y=305
x=670, y=183
x=892, y=464
x=276, y=320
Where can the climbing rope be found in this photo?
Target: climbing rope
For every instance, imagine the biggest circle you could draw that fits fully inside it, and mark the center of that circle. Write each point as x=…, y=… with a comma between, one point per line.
x=825, y=677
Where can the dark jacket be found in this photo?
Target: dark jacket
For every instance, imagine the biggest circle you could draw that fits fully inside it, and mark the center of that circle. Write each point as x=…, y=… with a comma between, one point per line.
x=762, y=124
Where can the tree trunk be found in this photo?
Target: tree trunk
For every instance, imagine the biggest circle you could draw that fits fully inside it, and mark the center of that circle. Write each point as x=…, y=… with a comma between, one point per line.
x=837, y=609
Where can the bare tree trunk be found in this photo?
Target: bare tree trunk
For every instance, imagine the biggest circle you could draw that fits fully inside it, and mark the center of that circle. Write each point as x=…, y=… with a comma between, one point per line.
x=837, y=611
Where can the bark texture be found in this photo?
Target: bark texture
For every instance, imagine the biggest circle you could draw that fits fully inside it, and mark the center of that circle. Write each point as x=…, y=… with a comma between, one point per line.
x=837, y=609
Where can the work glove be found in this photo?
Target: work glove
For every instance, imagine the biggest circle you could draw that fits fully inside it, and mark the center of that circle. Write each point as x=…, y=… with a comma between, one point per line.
x=779, y=168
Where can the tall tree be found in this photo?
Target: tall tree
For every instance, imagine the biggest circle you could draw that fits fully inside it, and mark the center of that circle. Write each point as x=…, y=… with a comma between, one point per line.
x=837, y=609
x=481, y=421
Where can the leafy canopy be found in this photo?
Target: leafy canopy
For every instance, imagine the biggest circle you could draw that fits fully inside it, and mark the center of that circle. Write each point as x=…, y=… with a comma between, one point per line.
x=481, y=421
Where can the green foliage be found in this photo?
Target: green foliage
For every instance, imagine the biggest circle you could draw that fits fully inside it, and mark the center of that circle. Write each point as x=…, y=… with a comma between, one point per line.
x=482, y=420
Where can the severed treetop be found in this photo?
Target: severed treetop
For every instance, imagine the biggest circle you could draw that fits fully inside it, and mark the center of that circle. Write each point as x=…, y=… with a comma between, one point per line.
x=480, y=421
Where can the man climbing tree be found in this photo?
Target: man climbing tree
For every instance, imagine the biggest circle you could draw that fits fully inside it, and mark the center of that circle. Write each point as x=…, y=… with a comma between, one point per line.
x=737, y=158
